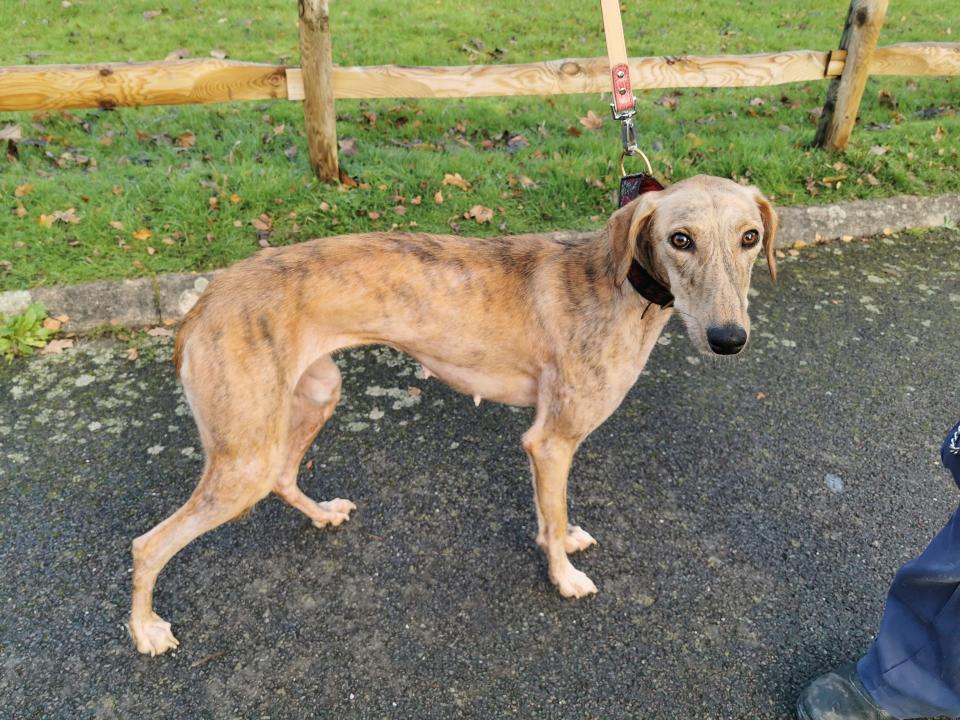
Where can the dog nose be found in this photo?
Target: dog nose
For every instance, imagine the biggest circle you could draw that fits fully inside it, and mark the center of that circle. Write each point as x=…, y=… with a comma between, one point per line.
x=726, y=339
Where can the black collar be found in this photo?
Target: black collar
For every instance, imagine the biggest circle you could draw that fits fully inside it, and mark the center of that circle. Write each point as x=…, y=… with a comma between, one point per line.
x=631, y=187
x=648, y=286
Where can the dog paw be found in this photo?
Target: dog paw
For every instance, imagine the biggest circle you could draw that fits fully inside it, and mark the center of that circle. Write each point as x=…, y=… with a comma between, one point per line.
x=577, y=539
x=333, y=512
x=573, y=583
x=153, y=635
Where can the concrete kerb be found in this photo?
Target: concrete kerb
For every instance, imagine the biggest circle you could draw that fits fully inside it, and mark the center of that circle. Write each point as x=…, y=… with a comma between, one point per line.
x=149, y=301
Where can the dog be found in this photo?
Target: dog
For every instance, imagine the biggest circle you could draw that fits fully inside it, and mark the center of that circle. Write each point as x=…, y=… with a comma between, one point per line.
x=526, y=320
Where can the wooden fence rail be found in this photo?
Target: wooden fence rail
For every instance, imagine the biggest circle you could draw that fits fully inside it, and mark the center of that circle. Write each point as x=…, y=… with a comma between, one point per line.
x=185, y=82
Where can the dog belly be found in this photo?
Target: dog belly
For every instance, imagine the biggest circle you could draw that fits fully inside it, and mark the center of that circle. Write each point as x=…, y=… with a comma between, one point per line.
x=512, y=387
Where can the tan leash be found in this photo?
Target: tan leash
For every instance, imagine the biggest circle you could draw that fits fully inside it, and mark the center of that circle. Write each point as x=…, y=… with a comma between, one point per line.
x=624, y=105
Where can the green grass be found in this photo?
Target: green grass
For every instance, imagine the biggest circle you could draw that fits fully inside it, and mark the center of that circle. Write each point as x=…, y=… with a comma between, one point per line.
x=124, y=167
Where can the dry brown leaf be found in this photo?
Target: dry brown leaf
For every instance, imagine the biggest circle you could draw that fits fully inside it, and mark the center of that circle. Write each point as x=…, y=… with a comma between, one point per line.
x=414, y=391
x=591, y=121
x=143, y=234
x=262, y=223
x=528, y=183
x=55, y=347
x=456, y=181
x=479, y=213
x=116, y=189
x=348, y=146
x=151, y=250
x=160, y=332
x=939, y=135
x=235, y=198
x=373, y=215
x=279, y=129
x=178, y=54
x=151, y=14
x=132, y=354
x=21, y=211
x=23, y=190
x=871, y=179
x=116, y=225
x=324, y=206
x=400, y=210
x=66, y=216
x=438, y=197
x=186, y=140
x=416, y=201
x=51, y=324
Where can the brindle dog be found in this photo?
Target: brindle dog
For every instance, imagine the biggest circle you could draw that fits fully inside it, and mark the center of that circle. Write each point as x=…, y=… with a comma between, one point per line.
x=523, y=320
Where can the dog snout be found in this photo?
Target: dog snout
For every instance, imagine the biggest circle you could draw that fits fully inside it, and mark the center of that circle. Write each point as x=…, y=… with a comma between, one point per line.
x=726, y=339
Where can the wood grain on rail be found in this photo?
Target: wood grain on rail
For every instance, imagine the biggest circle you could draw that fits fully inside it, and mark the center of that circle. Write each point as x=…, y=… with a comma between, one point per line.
x=107, y=85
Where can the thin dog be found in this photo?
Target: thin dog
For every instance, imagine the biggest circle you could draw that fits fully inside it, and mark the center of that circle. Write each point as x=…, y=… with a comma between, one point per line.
x=524, y=320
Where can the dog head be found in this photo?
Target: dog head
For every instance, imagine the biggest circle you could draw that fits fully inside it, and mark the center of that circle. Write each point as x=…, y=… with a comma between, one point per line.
x=700, y=238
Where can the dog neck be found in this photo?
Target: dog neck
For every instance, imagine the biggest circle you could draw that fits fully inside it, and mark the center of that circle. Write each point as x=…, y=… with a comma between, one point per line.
x=648, y=286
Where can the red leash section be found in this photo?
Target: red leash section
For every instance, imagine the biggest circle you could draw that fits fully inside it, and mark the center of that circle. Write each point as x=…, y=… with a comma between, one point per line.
x=623, y=100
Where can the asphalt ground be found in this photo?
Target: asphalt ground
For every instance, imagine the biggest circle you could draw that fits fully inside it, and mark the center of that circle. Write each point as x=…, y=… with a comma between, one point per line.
x=749, y=513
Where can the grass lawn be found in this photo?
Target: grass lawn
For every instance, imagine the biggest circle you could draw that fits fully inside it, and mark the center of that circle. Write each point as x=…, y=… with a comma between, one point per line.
x=193, y=188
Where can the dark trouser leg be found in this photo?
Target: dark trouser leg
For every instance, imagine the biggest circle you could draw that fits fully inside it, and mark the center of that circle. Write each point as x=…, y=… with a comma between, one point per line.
x=913, y=667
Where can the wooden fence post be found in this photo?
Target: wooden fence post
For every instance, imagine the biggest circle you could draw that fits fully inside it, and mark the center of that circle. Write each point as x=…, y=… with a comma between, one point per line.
x=860, y=35
x=316, y=61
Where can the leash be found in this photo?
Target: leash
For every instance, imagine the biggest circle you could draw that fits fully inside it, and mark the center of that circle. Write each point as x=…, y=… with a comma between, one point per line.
x=624, y=109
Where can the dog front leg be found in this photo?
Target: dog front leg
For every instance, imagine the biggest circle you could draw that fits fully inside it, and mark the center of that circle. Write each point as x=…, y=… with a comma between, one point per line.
x=550, y=458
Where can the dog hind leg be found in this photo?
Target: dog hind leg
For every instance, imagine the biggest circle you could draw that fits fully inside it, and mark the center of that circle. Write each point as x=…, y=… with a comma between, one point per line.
x=229, y=486
x=315, y=398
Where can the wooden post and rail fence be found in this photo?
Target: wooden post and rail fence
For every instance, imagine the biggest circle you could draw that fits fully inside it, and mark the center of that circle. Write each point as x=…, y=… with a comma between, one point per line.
x=318, y=82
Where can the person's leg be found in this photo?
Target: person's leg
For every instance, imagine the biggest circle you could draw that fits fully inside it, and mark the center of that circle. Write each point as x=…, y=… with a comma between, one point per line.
x=912, y=669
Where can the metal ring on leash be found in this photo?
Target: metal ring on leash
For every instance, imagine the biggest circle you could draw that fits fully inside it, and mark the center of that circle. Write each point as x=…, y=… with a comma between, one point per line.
x=641, y=153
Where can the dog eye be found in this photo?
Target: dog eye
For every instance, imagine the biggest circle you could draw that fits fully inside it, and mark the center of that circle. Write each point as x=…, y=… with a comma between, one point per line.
x=750, y=238
x=681, y=241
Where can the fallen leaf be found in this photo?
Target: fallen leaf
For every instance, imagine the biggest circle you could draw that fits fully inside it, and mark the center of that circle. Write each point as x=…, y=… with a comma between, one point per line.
x=116, y=225
x=66, y=216
x=871, y=179
x=187, y=140
x=143, y=234
x=438, y=197
x=373, y=215
x=151, y=14
x=456, y=181
x=527, y=183
x=178, y=54
x=757, y=102
x=235, y=198
x=262, y=223
x=168, y=241
x=939, y=135
x=160, y=332
x=479, y=213
x=291, y=153
x=21, y=211
x=279, y=129
x=132, y=354
x=151, y=250
x=573, y=131
x=55, y=347
x=51, y=324
x=11, y=132
x=23, y=190
x=414, y=391
x=878, y=150
x=348, y=146
x=761, y=395
x=219, y=54
x=400, y=210
x=416, y=201
x=116, y=189
x=591, y=121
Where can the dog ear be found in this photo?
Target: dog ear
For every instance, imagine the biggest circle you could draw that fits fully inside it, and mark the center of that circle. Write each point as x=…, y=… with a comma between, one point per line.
x=623, y=233
x=770, y=222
